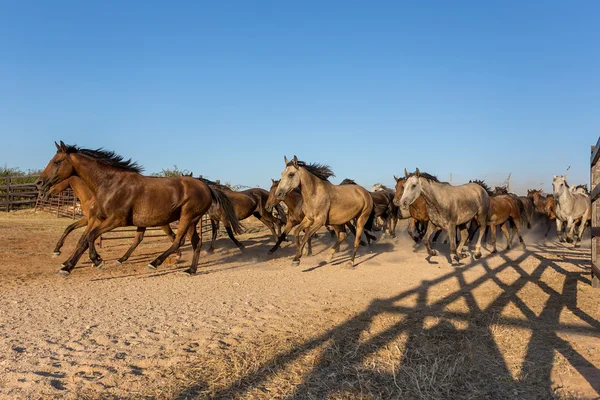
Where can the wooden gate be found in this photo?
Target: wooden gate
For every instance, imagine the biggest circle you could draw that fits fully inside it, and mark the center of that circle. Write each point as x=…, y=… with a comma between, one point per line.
x=595, y=197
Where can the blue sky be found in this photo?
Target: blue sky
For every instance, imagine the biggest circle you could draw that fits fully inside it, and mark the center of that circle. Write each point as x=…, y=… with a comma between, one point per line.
x=226, y=89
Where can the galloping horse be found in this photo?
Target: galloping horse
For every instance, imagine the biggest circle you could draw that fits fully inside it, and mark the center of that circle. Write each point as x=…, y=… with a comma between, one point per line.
x=325, y=204
x=246, y=203
x=525, y=201
x=86, y=200
x=544, y=207
x=504, y=209
x=385, y=209
x=570, y=207
x=448, y=207
x=417, y=213
x=124, y=197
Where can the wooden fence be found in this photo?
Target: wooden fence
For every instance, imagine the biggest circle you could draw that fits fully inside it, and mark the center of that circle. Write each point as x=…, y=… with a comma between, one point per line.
x=65, y=204
x=17, y=192
x=595, y=197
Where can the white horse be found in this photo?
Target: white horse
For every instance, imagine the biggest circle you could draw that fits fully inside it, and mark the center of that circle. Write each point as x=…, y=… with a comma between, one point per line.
x=579, y=189
x=570, y=206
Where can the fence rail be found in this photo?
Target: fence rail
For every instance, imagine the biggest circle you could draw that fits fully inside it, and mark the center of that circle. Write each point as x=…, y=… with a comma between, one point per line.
x=17, y=192
x=595, y=197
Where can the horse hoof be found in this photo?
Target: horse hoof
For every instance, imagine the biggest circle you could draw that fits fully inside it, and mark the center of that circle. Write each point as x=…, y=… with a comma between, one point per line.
x=576, y=245
x=210, y=251
x=63, y=271
x=119, y=262
x=455, y=262
x=189, y=272
x=150, y=266
x=99, y=266
x=295, y=263
x=433, y=253
x=349, y=265
x=362, y=243
x=55, y=254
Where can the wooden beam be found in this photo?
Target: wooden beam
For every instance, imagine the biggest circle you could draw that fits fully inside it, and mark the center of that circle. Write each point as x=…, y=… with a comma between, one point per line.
x=595, y=153
x=595, y=275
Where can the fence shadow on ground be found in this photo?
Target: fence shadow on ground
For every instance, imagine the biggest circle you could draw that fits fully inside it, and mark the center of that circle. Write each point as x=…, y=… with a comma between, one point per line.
x=441, y=360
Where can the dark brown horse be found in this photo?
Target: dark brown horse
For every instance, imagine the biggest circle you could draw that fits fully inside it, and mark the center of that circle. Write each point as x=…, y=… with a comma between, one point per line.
x=504, y=209
x=325, y=204
x=124, y=197
x=246, y=203
x=86, y=200
x=525, y=201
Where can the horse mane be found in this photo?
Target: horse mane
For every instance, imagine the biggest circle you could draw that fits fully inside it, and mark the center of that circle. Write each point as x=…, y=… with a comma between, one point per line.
x=382, y=186
x=426, y=176
x=584, y=187
x=348, y=181
x=107, y=157
x=483, y=185
x=500, y=190
x=212, y=183
x=321, y=171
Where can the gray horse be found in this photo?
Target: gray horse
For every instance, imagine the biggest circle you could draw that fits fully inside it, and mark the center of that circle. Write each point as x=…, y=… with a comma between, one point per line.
x=448, y=207
x=570, y=206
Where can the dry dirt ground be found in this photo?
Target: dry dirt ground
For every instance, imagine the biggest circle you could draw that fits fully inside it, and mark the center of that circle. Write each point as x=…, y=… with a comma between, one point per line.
x=520, y=324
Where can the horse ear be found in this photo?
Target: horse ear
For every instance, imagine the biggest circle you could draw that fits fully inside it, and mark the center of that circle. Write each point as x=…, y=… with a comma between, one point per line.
x=57, y=146
x=285, y=160
x=405, y=173
x=553, y=176
x=63, y=146
x=396, y=178
x=565, y=177
x=418, y=173
x=295, y=161
x=272, y=180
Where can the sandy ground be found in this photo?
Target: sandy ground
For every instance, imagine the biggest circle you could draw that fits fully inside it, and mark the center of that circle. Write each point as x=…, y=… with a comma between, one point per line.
x=251, y=326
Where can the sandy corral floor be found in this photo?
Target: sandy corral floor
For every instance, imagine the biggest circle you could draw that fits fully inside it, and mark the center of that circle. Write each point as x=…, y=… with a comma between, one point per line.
x=520, y=324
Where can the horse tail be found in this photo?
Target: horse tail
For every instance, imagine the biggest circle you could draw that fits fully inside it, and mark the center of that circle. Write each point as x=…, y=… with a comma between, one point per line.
x=522, y=210
x=370, y=220
x=220, y=199
x=528, y=203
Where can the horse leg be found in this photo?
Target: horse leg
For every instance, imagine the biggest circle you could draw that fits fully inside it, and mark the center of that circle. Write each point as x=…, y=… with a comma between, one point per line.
x=139, y=236
x=184, y=225
x=582, y=226
x=360, y=226
x=353, y=230
x=411, y=230
x=504, y=229
x=196, y=241
x=169, y=232
x=310, y=230
x=437, y=234
x=82, y=246
x=269, y=223
x=233, y=238
x=214, y=225
x=341, y=236
x=303, y=226
x=75, y=225
x=464, y=235
x=393, y=224
x=105, y=226
x=454, y=258
x=570, y=229
x=559, y=230
x=430, y=229
x=548, y=225
x=287, y=228
x=493, y=230
x=516, y=227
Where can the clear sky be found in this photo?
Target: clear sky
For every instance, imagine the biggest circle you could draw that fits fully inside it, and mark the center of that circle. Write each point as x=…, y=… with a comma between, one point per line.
x=478, y=89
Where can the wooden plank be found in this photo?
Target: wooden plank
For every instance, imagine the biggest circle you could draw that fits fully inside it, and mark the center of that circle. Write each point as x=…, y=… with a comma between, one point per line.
x=595, y=153
x=596, y=231
x=595, y=193
x=595, y=275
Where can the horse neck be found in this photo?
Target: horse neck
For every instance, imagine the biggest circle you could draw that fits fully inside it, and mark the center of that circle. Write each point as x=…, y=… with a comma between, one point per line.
x=93, y=173
x=429, y=191
x=80, y=188
x=565, y=200
x=293, y=200
x=309, y=185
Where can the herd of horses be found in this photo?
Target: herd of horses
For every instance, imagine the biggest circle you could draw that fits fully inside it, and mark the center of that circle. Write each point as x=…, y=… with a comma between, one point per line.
x=113, y=193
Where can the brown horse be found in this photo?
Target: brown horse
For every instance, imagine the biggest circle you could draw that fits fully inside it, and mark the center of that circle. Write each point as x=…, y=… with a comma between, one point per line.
x=544, y=207
x=525, y=201
x=325, y=204
x=124, y=197
x=246, y=203
x=86, y=200
x=417, y=212
x=504, y=209
x=295, y=215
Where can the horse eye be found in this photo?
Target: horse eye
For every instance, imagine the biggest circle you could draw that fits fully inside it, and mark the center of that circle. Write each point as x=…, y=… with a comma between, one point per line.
x=57, y=162
x=414, y=185
x=291, y=174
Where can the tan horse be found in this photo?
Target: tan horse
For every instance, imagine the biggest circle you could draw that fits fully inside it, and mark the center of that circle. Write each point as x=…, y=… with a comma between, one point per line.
x=124, y=197
x=325, y=203
x=86, y=200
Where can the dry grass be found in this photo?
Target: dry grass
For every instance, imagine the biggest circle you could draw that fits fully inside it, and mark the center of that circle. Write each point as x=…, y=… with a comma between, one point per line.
x=434, y=362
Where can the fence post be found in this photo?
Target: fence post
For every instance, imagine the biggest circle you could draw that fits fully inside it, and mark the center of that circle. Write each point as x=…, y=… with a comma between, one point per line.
x=8, y=194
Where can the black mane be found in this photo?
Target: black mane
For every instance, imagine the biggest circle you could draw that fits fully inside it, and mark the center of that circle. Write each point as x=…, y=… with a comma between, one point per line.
x=500, y=190
x=483, y=185
x=108, y=157
x=321, y=171
x=427, y=176
x=584, y=187
x=212, y=183
x=348, y=181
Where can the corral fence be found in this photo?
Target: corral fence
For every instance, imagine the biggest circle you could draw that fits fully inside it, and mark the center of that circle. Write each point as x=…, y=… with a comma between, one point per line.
x=595, y=197
x=17, y=192
x=65, y=204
